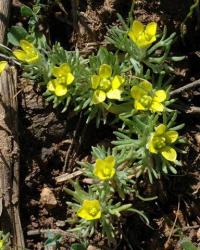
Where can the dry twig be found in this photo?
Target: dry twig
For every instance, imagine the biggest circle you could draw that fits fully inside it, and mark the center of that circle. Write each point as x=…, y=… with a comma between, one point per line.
x=185, y=87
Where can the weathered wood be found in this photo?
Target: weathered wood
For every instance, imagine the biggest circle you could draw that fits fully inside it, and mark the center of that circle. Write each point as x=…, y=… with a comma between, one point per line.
x=9, y=158
x=9, y=147
x=4, y=16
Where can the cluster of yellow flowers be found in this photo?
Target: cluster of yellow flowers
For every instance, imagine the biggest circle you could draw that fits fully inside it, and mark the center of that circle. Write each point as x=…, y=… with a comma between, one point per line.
x=104, y=170
x=161, y=141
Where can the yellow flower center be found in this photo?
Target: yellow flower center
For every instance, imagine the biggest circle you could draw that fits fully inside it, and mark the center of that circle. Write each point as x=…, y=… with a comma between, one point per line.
x=105, y=84
x=107, y=171
x=146, y=100
x=93, y=211
x=160, y=142
x=61, y=79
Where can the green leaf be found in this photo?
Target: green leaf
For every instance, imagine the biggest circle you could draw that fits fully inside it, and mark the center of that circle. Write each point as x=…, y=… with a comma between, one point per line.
x=53, y=239
x=26, y=11
x=186, y=244
x=36, y=9
x=77, y=246
x=16, y=34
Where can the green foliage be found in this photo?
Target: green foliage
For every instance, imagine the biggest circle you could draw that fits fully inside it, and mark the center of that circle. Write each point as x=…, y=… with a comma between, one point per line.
x=186, y=244
x=4, y=240
x=110, y=210
x=15, y=34
x=77, y=246
x=193, y=8
x=53, y=239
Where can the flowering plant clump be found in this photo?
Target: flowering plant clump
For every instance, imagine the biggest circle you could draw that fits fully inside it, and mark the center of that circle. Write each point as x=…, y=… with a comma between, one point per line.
x=145, y=98
x=96, y=86
x=143, y=36
x=161, y=141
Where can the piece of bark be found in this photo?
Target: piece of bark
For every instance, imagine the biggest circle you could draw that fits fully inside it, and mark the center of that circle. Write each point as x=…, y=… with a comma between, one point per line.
x=4, y=16
x=9, y=159
x=9, y=147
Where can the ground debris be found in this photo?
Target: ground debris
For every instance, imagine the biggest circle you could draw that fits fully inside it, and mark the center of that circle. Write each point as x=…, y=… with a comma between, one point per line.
x=47, y=198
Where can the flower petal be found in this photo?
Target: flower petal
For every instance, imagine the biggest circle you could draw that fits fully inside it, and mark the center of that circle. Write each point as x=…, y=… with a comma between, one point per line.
x=3, y=65
x=20, y=55
x=138, y=105
x=27, y=46
x=132, y=36
x=110, y=160
x=31, y=58
x=157, y=107
x=117, y=81
x=105, y=71
x=65, y=68
x=98, y=169
x=160, y=96
x=114, y=94
x=69, y=78
x=60, y=89
x=160, y=130
x=137, y=92
x=151, y=29
x=98, y=96
x=50, y=86
x=147, y=86
x=95, y=80
x=150, y=145
x=171, y=136
x=137, y=28
x=169, y=153
x=62, y=70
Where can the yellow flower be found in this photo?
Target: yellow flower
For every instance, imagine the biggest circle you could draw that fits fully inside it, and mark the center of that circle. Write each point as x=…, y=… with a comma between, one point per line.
x=90, y=210
x=28, y=53
x=105, y=85
x=160, y=142
x=105, y=169
x=148, y=99
x=64, y=77
x=142, y=35
x=3, y=65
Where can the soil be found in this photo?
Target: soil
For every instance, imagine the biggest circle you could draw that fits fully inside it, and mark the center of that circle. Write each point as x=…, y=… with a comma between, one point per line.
x=52, y=142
